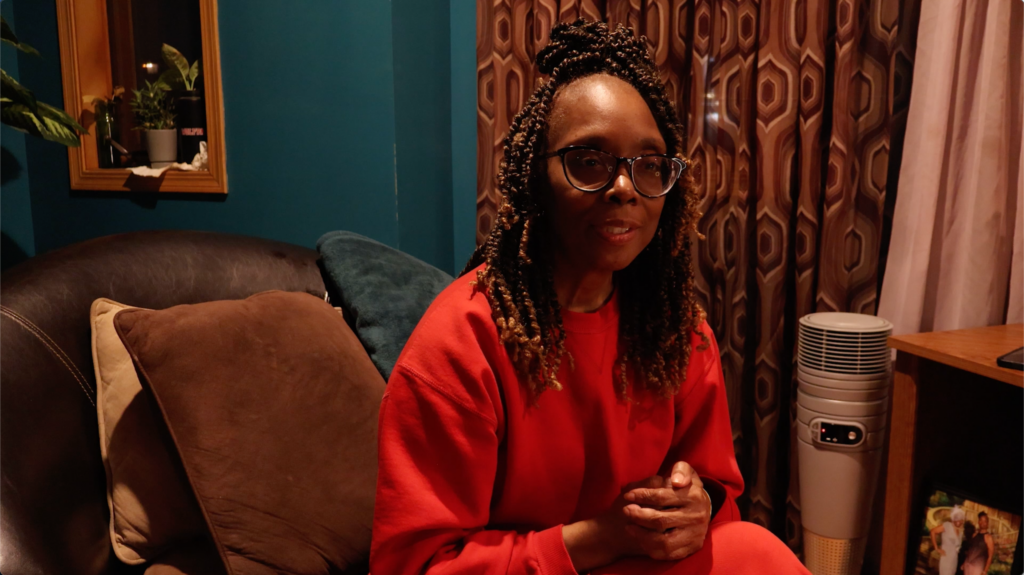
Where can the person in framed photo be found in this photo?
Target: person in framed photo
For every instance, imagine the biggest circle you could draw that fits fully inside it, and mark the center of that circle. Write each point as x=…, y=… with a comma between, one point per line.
x=951, y=533
x=969, y=530
x=979, y=550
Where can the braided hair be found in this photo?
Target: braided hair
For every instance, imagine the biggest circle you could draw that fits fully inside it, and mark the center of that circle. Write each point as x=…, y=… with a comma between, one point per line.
x=657, y=306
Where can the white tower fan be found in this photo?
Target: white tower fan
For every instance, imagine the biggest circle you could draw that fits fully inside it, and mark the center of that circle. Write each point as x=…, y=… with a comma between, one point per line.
x=843, y=375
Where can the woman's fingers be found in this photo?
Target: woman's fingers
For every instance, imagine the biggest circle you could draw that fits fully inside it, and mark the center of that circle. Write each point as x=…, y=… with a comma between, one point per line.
x=656, y=497
x=652, y=519
x=664, y=519
x=671, y=545
x=668, y=496
x=652, y=482
x=682, y=475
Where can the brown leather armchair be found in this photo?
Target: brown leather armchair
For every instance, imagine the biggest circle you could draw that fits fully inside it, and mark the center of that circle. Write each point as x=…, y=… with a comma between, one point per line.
x=53, y=510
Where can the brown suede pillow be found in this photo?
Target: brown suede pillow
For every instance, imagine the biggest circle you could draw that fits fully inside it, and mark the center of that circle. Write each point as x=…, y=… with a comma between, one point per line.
x=272, y=404
x=196, y=557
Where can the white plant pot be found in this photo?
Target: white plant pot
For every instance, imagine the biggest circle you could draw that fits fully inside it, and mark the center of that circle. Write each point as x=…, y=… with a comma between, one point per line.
x=162, y=146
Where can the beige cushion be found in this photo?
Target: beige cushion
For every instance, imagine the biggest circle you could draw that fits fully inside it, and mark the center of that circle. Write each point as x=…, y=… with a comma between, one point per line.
x=151, y=505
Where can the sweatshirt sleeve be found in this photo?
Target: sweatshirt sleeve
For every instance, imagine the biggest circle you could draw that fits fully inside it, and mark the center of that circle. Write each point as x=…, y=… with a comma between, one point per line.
x=438, y=459
x=703, y=433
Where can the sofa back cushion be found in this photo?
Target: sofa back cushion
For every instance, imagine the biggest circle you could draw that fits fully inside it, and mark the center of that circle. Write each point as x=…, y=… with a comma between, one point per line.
x=272, y=405
x=383, y=291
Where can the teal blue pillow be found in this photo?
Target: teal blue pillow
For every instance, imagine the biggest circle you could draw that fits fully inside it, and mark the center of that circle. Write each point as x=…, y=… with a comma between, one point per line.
x=382, y=291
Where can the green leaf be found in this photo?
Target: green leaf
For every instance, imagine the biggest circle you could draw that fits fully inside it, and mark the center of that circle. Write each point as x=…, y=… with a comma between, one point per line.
x=20, y=118
x=60, y=127
x=152, y=107
x=193, y=73
x=18, y=94
x=21, y=111
x=174, y=59
x=170, y=78
x=7, y=35
x=47, y=126
x=58, y=115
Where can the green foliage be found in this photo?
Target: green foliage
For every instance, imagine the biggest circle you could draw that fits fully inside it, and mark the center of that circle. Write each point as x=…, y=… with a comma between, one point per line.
x=940, y=498
x=153, y=107
x=104, y=103
x=20, y=110
x=178, y=69
x=7, y=35
x=45, y=122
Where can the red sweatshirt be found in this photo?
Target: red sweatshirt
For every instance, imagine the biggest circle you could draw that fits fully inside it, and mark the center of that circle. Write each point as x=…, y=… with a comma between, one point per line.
x=473, y=479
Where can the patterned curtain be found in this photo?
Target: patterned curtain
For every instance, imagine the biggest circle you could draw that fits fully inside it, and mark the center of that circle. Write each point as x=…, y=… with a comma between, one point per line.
x=790, y=110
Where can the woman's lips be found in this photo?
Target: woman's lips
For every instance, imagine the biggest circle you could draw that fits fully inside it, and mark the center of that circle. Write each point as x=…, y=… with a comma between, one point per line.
x=617, y=235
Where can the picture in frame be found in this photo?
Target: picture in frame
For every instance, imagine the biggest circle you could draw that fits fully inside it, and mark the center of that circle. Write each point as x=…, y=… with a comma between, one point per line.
x=963, y=535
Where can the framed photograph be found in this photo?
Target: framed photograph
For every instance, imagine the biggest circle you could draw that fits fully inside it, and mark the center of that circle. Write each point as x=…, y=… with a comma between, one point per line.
x=961, y=535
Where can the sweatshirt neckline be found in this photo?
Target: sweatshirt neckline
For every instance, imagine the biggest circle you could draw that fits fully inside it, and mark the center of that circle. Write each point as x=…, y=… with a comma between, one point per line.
x=599, y=320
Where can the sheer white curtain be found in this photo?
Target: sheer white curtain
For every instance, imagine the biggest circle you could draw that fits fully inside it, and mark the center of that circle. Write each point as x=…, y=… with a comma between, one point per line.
x=955, y=254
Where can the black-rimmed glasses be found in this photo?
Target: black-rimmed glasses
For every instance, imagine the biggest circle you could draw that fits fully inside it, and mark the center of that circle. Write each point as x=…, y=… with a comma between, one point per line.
x=590, y=170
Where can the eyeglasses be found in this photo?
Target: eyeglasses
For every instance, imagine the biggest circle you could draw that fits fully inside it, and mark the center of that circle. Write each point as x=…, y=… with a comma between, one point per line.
x=590, y=170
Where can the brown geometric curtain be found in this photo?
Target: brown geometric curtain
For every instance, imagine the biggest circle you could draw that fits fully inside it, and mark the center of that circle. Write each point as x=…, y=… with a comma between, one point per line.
x=791, y=112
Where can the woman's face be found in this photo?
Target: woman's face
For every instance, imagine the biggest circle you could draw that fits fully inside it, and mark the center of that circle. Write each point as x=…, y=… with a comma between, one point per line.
x=605, y=230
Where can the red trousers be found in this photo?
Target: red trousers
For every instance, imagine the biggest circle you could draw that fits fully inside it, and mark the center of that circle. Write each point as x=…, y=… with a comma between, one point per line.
x=730, y=548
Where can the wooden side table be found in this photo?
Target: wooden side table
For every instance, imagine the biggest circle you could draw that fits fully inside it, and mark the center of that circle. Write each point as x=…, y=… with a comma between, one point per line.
x=945, y=384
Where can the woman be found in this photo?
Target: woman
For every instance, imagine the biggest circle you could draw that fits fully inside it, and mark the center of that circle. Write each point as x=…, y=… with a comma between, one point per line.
x=979, y=549
x=952, y=536
x=560, y=408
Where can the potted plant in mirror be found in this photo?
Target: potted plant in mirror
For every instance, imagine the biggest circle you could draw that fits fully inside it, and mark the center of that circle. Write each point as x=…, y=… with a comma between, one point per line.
x=191, y=113
x=108, y=128
x=154, y=114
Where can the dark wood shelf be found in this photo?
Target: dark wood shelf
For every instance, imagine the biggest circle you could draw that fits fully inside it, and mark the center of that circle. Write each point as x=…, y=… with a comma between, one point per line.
x=973, y=350
x=947, y=394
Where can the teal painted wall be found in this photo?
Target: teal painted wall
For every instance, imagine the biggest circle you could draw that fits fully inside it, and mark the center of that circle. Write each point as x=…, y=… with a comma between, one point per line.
x=338, y=115
x=463, y=105
x=17, y=241
x=423, y=129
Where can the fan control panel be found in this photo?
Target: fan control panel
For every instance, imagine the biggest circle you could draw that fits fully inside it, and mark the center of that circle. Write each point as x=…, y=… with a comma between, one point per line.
x=839, y=433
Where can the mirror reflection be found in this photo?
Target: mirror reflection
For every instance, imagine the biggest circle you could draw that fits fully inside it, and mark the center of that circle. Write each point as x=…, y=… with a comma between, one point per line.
x=155, y=114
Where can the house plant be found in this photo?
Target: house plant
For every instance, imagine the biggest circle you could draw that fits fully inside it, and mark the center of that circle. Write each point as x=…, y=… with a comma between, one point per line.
x=191, y=113
x=154, y=113
x=108, y=128
x=20, y=110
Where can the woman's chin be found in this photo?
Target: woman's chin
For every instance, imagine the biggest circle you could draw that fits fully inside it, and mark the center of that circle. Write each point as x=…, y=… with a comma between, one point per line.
x=615, y=260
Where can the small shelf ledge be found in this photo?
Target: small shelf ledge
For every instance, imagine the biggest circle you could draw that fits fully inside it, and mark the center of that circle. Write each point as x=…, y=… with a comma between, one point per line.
x=121, y=180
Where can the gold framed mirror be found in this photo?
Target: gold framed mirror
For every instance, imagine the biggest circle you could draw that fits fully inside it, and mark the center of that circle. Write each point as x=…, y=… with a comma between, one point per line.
x=103, y=45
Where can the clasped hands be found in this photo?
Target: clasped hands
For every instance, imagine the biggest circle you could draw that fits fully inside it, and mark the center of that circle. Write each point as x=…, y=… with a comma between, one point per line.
x=664, y=518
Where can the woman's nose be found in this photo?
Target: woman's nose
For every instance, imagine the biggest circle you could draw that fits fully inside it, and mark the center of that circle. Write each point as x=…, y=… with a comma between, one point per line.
x=621, y=190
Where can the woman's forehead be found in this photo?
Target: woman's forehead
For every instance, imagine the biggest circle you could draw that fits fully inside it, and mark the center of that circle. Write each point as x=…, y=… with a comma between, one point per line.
x=601, y=106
